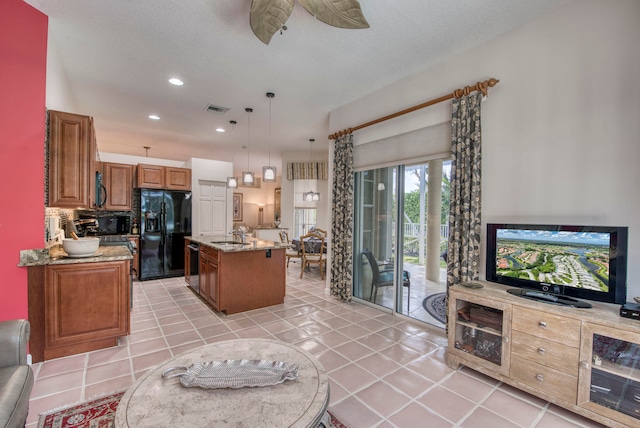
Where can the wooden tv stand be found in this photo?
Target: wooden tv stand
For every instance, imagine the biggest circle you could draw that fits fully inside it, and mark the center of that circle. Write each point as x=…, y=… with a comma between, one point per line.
x=584, y=360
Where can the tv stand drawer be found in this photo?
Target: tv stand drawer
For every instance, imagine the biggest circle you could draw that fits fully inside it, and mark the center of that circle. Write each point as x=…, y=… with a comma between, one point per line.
x=552, y=382
x=545, y=352
x=547, y=326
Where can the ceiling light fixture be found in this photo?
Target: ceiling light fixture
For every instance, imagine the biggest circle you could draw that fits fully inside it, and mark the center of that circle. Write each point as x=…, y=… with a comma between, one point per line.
x=269, y=172
x=154, y=117
x=247, y=176
x=310, y=196
x=232, y=182
x=176, y=81
x=220, y=130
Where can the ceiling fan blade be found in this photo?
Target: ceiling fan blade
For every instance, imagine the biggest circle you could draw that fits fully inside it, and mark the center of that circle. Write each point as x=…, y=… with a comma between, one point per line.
x=339, y=13
x=268, y=16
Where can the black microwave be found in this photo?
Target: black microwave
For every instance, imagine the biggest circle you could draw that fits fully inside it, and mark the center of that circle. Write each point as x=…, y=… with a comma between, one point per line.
x=113, y=225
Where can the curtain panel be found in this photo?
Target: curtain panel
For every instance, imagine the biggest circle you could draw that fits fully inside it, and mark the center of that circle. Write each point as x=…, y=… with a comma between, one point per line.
x=463, y=252
x=307, y=171
x=342, y=222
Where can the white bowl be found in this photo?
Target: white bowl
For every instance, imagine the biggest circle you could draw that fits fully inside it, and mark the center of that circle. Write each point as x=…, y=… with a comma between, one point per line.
x=80, y=247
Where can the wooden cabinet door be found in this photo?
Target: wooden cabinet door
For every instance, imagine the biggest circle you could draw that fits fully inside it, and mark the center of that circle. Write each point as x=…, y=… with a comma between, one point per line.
x=151, y=176
x=85, y=302
x=209, y=280
x=71, y=160
x=118, y=180
x=177, y=178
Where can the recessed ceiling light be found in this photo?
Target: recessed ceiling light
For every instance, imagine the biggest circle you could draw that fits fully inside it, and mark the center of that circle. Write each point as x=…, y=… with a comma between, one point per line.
x=154, y=117
x=176, y=81
x=220, y=130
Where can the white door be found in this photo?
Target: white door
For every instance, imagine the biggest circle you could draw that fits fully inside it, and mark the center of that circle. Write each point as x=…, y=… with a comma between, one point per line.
x=212, y=207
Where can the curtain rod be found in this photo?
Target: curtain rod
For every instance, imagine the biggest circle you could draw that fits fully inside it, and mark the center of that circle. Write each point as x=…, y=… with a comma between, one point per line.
x=479, y=86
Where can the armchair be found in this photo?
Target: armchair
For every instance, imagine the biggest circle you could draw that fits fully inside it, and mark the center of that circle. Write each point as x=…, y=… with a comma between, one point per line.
x=16, y=377
x=384, y=278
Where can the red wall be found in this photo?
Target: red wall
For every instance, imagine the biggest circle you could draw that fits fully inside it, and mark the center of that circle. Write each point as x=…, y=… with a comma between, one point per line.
x=23, y=56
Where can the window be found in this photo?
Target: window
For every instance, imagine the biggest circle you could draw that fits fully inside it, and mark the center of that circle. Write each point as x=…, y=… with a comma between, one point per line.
x=304, y=220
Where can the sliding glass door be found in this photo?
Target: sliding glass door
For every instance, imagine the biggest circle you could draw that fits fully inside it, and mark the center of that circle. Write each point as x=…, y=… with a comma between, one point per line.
x=400, y=236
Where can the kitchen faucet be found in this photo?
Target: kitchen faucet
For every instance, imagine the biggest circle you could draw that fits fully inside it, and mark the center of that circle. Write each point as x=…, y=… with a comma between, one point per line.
x=240, y=232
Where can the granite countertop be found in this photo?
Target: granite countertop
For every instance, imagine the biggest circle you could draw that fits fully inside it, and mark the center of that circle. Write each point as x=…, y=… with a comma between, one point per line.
x=57, y=256
x=227, y=244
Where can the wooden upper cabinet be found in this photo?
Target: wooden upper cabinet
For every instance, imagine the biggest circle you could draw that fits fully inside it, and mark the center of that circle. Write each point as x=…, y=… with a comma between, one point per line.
x=177, y=178
x=72, y=152
x=151, y=176
x=118, y=180
x=163, y=177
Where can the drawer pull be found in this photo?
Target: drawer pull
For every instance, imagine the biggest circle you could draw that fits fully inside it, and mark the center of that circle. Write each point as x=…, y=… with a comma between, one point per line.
x=542, y=324
x=539, y=378
x=541, y=351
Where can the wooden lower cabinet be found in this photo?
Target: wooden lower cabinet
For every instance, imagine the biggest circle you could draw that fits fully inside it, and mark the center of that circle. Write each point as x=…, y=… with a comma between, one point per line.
x=209, y=279
x=585, y=360
x=82, y=307
x=238, y=281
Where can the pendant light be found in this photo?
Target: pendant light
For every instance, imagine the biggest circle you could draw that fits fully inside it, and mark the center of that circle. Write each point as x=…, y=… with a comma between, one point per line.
x=247, y=176
x=310, y=196
x=269, y=172
x=232, y=182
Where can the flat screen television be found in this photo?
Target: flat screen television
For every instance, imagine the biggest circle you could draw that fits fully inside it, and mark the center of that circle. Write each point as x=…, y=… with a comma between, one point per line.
x=584, y=262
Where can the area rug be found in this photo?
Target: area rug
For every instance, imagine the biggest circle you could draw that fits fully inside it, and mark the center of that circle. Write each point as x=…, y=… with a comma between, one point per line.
x=101, y=413
x=436, y=306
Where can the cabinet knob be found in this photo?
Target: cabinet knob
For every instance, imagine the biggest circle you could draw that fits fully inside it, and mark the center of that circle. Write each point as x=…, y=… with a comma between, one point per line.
x=542, y=324
x=539, y=378
x=585, y=365
x=541, y=351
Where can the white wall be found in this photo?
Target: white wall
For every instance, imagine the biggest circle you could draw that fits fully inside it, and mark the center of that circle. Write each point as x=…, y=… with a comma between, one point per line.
x=560, y=131
x=58, y=96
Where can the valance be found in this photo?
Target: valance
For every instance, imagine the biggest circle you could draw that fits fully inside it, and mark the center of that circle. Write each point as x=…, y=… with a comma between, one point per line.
x=307, y=171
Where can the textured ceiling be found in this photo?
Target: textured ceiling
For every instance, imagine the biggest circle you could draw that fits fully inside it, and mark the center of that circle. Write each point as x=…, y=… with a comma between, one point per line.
x=118, y=55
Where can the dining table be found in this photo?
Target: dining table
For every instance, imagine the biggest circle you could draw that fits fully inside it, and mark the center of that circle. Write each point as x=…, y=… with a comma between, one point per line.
x=310, y=245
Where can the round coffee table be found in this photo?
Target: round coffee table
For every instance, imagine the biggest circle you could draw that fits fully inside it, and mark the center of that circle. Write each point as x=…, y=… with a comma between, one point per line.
x=153, y=401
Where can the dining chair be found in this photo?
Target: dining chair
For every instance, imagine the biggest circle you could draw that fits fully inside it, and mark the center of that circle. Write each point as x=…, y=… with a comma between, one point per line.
x=384, y=278
x=312, y=249
x=291, y=252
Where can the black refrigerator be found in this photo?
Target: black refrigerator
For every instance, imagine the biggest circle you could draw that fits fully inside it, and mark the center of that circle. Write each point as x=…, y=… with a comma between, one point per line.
x=164, y=223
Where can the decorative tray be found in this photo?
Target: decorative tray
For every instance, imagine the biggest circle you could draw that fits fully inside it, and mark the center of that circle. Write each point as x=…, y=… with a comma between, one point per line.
x=233, y=373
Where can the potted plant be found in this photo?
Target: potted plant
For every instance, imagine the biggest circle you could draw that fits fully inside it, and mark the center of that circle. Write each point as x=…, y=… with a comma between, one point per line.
x=276, y=216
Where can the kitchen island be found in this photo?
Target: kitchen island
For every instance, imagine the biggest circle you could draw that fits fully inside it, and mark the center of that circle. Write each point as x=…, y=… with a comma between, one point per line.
x=77, y=304
x=236, y=277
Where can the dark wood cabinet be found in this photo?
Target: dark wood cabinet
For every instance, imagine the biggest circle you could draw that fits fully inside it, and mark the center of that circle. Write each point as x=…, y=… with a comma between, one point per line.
x=163, y=177
x=118, y=182
x=209, y=279
x=71, y=160
x=177, y=178
x=187, y=261
x=77, y=307
x=150, y=176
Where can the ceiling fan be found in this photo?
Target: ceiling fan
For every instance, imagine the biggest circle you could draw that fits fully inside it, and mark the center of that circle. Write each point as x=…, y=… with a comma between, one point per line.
x=269, y=16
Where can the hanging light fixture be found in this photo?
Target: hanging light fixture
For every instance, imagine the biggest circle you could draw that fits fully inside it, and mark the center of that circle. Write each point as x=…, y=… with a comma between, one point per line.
x=232, y=182
x=247, y=176
x=310, y=196
x=269, y=172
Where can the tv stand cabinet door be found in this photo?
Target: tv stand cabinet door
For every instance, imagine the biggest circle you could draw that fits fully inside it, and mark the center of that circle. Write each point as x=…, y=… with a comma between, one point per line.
x=609, y=380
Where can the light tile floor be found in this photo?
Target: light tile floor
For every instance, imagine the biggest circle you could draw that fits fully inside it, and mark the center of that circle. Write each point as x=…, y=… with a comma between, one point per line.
x=384, y=371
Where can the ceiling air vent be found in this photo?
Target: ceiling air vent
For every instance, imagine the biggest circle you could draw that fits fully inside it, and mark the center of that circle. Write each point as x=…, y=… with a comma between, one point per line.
x=216, y=109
